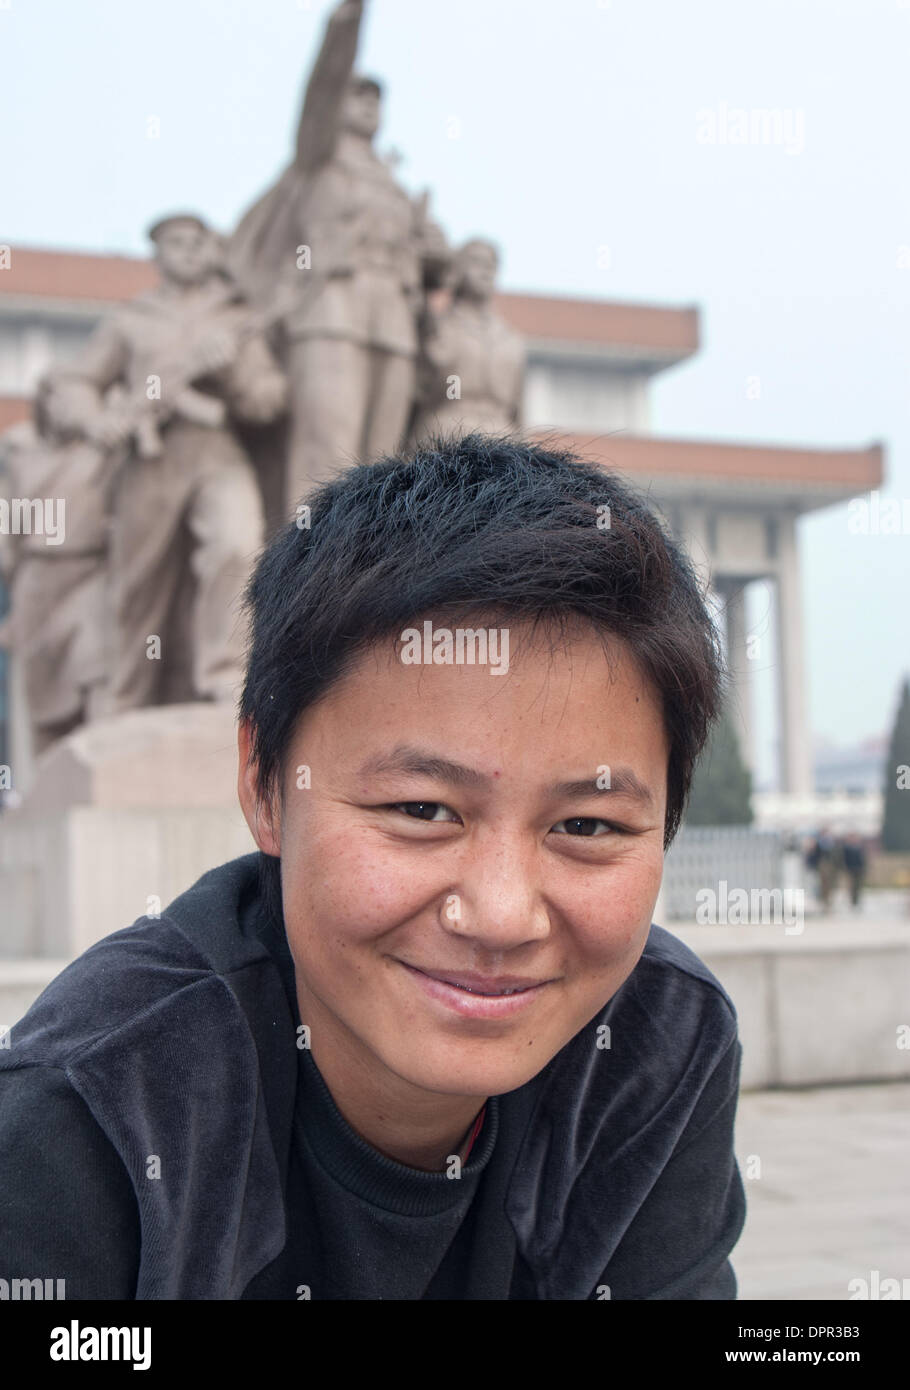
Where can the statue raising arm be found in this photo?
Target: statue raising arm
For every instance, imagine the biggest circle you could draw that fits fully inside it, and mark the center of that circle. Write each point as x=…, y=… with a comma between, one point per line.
x=320, y=119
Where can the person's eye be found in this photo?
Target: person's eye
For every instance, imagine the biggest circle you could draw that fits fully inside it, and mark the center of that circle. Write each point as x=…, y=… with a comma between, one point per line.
x=579, y=827
x=418, y=810
x=584, y=827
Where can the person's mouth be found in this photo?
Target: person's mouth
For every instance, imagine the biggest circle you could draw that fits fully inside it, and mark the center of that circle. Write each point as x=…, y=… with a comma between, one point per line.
x=474, y=983
x=476, y=995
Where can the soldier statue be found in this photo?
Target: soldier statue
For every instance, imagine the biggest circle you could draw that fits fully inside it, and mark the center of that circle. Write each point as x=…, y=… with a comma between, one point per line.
x=471, y=370
x=353, y=252
x=56, y=628
x=194, y=362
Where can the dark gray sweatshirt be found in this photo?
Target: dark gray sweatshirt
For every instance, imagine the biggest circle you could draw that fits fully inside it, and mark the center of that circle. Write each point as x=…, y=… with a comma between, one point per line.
x=162, y=1135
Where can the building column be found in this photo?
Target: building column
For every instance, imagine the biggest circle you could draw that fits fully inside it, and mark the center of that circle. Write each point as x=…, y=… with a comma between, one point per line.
x=795, y=751
x=696, y=537
x=740, y=667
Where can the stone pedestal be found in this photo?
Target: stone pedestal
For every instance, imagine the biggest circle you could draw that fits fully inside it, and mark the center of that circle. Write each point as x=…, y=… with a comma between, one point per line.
x=121, y=817
x=825, y=1006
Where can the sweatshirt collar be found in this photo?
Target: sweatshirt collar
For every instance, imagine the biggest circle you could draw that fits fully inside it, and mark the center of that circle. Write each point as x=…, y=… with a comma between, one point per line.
x=369, y=1174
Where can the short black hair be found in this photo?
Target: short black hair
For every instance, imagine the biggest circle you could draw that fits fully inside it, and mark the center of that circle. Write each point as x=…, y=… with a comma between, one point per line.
x=497, y=526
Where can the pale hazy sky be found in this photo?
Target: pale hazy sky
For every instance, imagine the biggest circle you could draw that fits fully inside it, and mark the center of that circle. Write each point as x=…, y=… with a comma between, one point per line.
x=558, y=127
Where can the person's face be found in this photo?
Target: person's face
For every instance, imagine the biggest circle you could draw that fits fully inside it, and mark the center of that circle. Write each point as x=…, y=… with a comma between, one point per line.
x=362, y=110
x=477, y=272
x=394, y=880
x=184, y=253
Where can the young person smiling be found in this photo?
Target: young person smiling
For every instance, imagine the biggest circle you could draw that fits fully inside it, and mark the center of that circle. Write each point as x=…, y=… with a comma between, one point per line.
x=427, y=1043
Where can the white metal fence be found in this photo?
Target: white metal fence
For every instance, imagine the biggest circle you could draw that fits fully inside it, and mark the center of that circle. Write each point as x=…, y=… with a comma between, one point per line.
x=744, y=858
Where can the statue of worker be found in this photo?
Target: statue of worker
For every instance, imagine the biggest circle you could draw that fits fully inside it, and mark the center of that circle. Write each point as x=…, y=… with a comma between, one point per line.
x=194, y=361
x=471, y=367
x=56, y=566
x=352, y=253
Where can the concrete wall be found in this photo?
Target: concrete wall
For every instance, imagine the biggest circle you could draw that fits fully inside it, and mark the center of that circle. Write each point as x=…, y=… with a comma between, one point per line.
x=67, y=880
x=827, y=1005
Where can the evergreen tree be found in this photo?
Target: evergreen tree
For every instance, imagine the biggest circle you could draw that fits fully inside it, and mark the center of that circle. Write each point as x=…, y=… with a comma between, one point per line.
x=896, y=821
x=722, y=785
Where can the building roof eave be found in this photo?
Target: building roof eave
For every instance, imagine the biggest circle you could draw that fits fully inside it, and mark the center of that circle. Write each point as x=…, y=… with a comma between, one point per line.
x=799, y=478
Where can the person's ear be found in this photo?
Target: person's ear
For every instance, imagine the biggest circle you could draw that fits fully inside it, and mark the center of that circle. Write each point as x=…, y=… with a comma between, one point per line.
x=264, y=820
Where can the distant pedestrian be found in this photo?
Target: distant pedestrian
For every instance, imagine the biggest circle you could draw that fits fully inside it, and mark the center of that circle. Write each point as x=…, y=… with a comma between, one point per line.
x=823, y=858
x=853, y=856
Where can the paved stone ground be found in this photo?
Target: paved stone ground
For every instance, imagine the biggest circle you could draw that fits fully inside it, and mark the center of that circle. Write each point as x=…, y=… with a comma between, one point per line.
x=833, y=1200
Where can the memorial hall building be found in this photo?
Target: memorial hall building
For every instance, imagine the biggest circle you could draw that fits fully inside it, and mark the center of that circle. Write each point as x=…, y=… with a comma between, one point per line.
x=734, y=506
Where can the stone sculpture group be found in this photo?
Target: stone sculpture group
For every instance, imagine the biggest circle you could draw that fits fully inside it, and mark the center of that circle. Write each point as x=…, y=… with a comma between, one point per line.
x=334, y=325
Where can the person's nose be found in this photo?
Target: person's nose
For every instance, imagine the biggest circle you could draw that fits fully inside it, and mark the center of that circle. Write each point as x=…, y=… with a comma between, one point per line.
x=497, y=900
